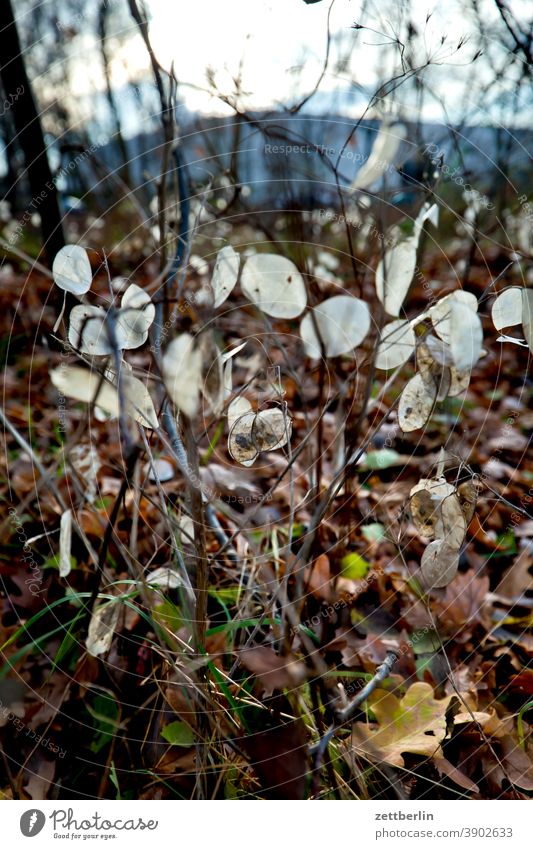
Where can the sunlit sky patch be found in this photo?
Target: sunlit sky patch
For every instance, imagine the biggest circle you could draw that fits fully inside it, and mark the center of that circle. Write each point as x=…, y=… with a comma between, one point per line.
x=277, y=48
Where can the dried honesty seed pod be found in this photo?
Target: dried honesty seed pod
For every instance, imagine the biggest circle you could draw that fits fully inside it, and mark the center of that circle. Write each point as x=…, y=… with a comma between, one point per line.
x=104, y=620
x=253, y=433
x=274, y=284
x=466, y=336
x=135, y=317
x=90, y=387
x=440, y=510
x=439, y=564
x=426, y=365
x=164, y=577
x=225, y=274
x=416, y=403
x=71, y=270
x=441, y=312
x=159, y=469
x=434, y=361
x=271, y=429
x=217, y=372
x=394, y=274
x=425, y=499
x=442, y=513
x=424, y=512
x=395, y=271
x=439, y=350
x=237, y=408
x=138, y=402
x=212, y=373
x=513, y=341
x=240, y=443
x=227, y=375
x=182, y=373
x=507, y=308
x=443, y=384
x=451, y=524
x=342, y=323
x=467, y=494
x=527, y=316
x=228, y=355
x=88, y=331
x=65, y=543
x=396, y=345
x=382, y=154
x=459, y=381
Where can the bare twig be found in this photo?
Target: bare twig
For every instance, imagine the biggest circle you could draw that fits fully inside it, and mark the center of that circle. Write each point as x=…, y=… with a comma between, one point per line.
x=347, y=714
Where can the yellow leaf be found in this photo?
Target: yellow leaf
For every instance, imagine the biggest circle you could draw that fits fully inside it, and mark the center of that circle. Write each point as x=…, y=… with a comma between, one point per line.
x=415, y=724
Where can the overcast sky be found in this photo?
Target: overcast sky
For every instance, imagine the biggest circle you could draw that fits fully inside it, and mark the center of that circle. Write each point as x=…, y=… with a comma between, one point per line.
x=281, y=44
x=279, y=47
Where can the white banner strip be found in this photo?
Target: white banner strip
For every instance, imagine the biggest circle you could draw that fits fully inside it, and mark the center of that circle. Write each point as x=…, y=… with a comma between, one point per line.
x=261, y=824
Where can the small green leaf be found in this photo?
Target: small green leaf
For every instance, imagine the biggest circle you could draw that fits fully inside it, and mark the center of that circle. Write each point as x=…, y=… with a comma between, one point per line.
x=374, y=532
x=225, y=594
x=354, y=566
x=382, y=459
x=53, y=562
x=508, y=540
x=520, y=723
x=178, y=734
x=168, y=615
x=298, y=530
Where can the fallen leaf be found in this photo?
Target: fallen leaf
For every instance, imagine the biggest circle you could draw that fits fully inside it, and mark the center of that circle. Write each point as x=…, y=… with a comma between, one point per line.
x=274, y=672
x=450, y=771
x=517, y=763
x=518, y=578
x=464, y=604
x=42, y=772
x=178, y=734
x=416, y=724
x=279, y=757
x=318, y=578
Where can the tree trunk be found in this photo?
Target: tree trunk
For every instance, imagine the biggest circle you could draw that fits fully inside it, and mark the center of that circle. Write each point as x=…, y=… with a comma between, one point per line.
x=29, y=132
